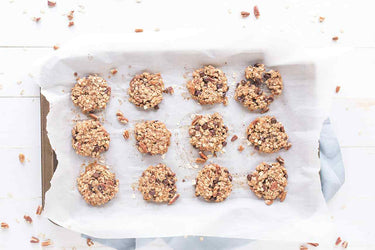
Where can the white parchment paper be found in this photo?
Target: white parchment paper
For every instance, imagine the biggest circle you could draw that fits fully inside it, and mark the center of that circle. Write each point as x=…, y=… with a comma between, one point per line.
x=301, y=108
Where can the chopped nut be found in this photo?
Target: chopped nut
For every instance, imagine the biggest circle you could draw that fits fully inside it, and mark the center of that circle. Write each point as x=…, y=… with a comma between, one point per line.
x=114, y=71
x=335, y=38
x=302, y=247
x=321, y=19
x=256, y=12
x=338, y=241
x=75, y=74
x=51, y=3
x=245, y=13
x=138, y=30
x=34, y=240
x=28, y=219
x=282, y=196
x=46, y=243
x=235, y=137
x=70, y=15
x=89, y=242
x=39, y=210
x=200, y=160
x=241, y=148
x=313, y=244
x=345, y=244
x=280, y=160
x=93, y=116
x=268, y=202
x=121, y=118
x=55, y=47
x=71, y=23
x=21, y=157
x=337, y=89
x=169, y=90
x=175, y=197
x=36, y=19
x=126, y=134
x=4, y=225
x=203, y=155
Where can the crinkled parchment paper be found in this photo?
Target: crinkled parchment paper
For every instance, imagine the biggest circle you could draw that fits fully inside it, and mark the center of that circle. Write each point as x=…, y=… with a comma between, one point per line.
x=301, y=108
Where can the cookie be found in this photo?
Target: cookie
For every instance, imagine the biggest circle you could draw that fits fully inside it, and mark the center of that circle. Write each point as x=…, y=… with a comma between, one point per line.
x=97, y=184
x=213, y=183
x=208, y=86
x=89, y=138
x=268, y=181
x=91, y=93
x=274, y=82
x=158, y=184
x=258, y=92
x=252, y=97
x=267, y=135
x=146, y=90
x=152, y=137
x=208, y=133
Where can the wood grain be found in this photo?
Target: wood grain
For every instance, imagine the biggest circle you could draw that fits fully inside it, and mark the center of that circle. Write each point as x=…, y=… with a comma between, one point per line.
x=48, y=157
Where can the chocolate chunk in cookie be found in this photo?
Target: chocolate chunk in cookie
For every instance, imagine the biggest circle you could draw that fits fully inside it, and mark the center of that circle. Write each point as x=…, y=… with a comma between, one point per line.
x=268, y=181
x=152, y=137
x=97, y=184
x=267, y=135
x=89, y=138
x=208, y=86
x=91, y=93
x=213, y=183
x=146, y=90
x=158, y=184
x=208, y=132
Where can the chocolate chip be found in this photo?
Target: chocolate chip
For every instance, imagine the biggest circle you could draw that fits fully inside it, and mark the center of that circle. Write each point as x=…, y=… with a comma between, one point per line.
x=256, y=147
x=212, y=131
x=230, y=178
x=201, y=74
x=152, y=192
x=197, y=127
x=249, y=177
x=165, y=182
x=216, y=181
x=96, y=149
x=219, y=86
x=224, y=144
x=205, y=126
x=96, y=175
x=156, y=107
x=266, y=76
x=257, y=65
x=273, y=120
x=258, y=91
x=207, y=79
x=197, y=92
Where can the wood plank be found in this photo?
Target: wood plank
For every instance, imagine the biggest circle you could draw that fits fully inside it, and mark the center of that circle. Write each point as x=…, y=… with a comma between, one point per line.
x=49, y=161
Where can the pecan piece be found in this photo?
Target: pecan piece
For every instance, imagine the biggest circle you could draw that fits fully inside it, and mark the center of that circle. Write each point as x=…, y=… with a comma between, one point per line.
x=175, y=197
x=89, y=242
x=34, y=240
x=203, y=155
x=235, y=137
x=241, y=148
x=256, y=12
x=39, y=210
x=138, y=30
x=169, y=90
x=114, y=71
x=200, y=160
x=21, y=157
x=4, y=225
x=335, y=38
x=245, y=14
x=313, y=244
x=338, y=241
x=51, y=3
x=121, y=118
x=46, y=243
x=337, y=90
x=126, y=134
x=28, y=219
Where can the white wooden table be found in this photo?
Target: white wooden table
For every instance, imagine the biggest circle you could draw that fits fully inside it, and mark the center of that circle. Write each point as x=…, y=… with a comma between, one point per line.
x=23, y=41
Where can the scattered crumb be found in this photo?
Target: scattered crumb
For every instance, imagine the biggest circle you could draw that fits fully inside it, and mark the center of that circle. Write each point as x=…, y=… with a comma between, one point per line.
x=138, y=30
x=89, y=242
x=42, y=11
x=245, y=14
x=51, y=3
x=55, y=47
x=157, y=29
x=75, y=74
x=335, y=38
x=341, y=31
x=71, y=23
x=241, y=148
x=22, y=92
x=201, y=238
x=185, y=236
x=337, y=90
x=169, y=90
x=256, y=12
x=21, y=157
x=138, y=1
x=114, y=71
x=321, y=19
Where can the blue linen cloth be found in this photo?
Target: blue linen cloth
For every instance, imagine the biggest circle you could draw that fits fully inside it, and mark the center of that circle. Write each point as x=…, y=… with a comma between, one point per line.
x=332, y=176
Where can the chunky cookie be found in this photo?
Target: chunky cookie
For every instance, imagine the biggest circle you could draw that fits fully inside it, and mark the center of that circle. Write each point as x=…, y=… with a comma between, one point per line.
x=208, y=86
x=213, y=183
x=158, y=184
x=268, y=181
x=208, y=132
x=267, y=135
x=152, y=137
x=146, y=90
x=252, y=97
x=97, y=184
x=252, y=93
x=91, y=93
x=90, y=138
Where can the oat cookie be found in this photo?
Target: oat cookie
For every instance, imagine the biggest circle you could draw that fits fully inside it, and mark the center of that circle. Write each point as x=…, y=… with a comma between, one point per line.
x=253, y=92
x=146, y=90
x=97, y=184
x=274, y=82
x=208, y=86
x=91, y=93
x=158, y=183
x=268, y=181
x=90, y=138
x=213, y=183
x=252, y=97
x=208, y=132
x=267, y=135
x=152, y=137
